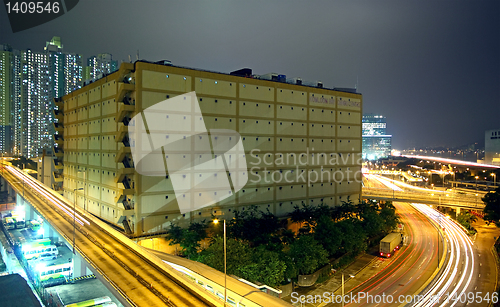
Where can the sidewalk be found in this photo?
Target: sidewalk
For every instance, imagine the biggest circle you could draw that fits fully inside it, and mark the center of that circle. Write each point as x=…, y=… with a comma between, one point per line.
x=363, y=268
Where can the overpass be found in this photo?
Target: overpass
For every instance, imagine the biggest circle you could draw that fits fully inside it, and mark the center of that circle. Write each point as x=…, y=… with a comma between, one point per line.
x=440, y=198
x=400, y=191
x=135, y=277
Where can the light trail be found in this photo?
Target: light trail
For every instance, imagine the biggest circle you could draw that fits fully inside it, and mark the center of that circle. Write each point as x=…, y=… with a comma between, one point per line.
x=460, y=251
x=387, y=182
x=40, y=189
x=451, y=161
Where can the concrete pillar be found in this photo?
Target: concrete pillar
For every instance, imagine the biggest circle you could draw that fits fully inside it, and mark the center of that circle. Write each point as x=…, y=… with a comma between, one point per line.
x=48, y=232
x=79, y=266
x=30, y=213
x=458, y=210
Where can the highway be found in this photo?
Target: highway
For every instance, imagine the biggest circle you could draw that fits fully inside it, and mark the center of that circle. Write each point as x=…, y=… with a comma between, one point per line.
x=409, y=193
x=458, y=281
x=407, y=272
x=137, y=277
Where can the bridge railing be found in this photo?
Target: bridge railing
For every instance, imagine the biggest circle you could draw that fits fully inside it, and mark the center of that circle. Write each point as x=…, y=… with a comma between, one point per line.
x=436, y=197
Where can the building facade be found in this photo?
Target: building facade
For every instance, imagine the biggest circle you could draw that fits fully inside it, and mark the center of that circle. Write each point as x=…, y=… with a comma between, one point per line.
x=30, y=81
x=302, y=144
x=100, y=65
x=376, y=141
x=492, y=147
x=6, y=98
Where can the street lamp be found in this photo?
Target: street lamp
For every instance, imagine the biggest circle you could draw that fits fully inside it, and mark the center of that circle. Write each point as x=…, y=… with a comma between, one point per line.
x=74, y=218
x=476, y=189
x=494, y=179
x=84, y=188
x=350, y=275
x=216, y=221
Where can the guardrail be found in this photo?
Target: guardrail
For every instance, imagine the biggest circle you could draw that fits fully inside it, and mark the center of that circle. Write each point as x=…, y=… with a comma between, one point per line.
x=442, y=198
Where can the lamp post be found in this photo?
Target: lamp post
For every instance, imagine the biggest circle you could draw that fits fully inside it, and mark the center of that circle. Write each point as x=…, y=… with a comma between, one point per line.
x=439, y=219
x=476, y=189
x=84, y=188
x=350, y=275
x=74, y=218
x=494, y=179
x=216, y=221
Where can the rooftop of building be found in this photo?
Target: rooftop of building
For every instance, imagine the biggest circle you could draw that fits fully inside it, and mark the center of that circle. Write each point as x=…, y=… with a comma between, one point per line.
x=247, y=73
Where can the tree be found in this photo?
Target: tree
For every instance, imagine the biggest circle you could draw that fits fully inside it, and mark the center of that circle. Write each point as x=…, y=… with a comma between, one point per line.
x=254, y=226
x=307, y=254
x=328, y=234
x=188, y=239
x=466, y=219
x=309, y=215
x=347, y=209
x=389, y=217
x=237, y=252
x=266, y=267
x=353, y=236
x=492, y=206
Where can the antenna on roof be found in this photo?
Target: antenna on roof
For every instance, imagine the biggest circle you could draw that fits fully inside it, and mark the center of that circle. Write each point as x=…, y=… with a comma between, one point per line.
x=129, y=59
x=356, y=86
x=137, y=55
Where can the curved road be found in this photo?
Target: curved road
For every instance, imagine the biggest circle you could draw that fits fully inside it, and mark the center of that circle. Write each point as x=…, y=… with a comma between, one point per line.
x=410, y=268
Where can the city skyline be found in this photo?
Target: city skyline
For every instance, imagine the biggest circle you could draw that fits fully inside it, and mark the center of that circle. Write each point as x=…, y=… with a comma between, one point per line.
x=29, y=81
x=432, y=68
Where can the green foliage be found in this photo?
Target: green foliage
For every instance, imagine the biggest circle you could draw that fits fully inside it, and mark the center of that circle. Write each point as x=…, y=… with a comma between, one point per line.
x=266, y=267
x=254, y=226
x=308, y=254
x=189, y=239
x=492, y=206
x=328, y=234
x=389, y=216
x=260, y=249
x=237, y=252
x=353, y=236
x=466, y=219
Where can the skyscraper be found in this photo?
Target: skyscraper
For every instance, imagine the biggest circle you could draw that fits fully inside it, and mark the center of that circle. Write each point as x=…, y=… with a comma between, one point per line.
x=99, y=65
x=376, y=141
x=29, y=81
x=6, y=97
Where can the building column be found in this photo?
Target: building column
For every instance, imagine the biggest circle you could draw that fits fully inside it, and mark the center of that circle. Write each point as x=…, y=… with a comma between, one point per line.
x=48, y=232
x=80, y=267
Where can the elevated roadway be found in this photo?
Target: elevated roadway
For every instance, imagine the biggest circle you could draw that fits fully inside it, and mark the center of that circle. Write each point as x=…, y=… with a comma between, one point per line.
x=135, y=277
x=409, y=193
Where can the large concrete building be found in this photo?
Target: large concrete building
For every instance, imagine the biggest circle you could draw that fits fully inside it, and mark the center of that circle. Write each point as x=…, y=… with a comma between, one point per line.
x=302, y=144
x=492, y=147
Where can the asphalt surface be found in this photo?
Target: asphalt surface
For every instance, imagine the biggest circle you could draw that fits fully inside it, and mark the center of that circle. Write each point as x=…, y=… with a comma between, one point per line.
x=135, y=276
x=404, y=274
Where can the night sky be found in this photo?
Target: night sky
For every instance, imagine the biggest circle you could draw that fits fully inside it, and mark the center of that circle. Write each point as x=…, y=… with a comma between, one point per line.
x=431, y=67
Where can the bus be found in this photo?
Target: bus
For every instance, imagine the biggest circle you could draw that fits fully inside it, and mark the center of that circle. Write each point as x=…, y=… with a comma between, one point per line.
x=34, y=225
x=54, y=271
x=10, y=223
x=20, y=224
x=37, y=243
x=35, y=252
